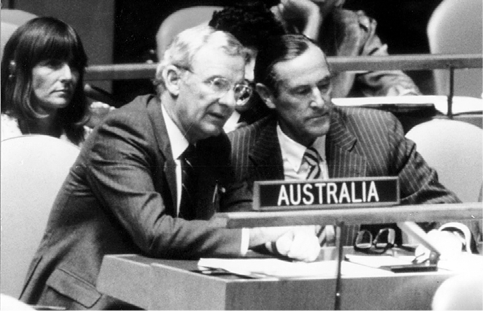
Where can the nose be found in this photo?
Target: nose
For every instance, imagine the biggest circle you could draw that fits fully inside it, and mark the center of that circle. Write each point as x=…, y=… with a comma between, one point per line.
x=66, y=73
x=228, y=99
x=318, y=99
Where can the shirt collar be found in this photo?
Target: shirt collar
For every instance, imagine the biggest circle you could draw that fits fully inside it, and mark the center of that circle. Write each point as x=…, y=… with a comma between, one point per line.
x=177, y=140
x=294, y=152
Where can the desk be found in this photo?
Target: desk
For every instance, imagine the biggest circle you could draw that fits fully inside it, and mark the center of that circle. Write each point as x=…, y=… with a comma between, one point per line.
x=462, y=104
x=412, y=110
x=171, y=284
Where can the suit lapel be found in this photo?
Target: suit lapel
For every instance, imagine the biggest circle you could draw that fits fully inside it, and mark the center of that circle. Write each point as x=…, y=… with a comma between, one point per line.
x=161, y=134
x=266, y=154
x=342, y=159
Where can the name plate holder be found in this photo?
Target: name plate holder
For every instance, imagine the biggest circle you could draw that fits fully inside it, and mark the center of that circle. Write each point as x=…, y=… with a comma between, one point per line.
x=281, y=195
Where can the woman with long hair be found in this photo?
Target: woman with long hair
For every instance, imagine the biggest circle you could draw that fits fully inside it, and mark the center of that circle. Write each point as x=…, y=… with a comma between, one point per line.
x=42, y=74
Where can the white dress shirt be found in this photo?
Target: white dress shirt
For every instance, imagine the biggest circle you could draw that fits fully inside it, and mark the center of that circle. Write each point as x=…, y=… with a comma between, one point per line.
x=177, y=149
x=294, y=166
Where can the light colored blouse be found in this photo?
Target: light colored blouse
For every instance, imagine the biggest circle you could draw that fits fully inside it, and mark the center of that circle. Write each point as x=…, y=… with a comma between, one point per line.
x=10, y=128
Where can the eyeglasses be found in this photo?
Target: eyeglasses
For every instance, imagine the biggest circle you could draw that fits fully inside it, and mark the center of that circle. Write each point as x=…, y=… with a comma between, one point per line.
x=383, y=241
x=220, y=86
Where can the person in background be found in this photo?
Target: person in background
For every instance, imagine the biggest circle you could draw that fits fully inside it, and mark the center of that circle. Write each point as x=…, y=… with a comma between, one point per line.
x=151, y=176
x=307, y=133
x=42, y=87
x=343, y=32
x=251, y=24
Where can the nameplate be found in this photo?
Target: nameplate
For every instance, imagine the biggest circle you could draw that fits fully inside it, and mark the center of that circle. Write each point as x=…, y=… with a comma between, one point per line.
x=333, y=193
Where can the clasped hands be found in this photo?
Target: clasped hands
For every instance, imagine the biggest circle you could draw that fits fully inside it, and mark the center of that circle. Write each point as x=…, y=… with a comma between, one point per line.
x=299, y=243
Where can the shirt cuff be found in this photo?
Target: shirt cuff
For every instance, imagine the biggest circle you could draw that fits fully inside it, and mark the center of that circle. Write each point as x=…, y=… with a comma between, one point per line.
x=245, y=241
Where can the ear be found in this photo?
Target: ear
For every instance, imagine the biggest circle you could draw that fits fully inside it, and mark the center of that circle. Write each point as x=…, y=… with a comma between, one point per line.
x=339, y=3
x=171, y=77
x=266, y=95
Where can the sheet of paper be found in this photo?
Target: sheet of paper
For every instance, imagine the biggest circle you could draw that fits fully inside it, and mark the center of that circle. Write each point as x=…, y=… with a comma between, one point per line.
x=281, y=269
x=377, y=261
x=464, y=262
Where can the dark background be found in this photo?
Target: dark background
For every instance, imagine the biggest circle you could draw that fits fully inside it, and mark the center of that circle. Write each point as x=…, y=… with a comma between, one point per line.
x=401, y=24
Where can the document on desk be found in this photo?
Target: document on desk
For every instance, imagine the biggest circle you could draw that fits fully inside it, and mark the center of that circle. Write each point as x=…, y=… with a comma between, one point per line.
x=282, y=269
x=464, y=262
x=377, y=261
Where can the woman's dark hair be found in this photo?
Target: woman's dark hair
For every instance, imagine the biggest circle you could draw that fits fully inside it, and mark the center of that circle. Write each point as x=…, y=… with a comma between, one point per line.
x=251, y=23
x=43, y=39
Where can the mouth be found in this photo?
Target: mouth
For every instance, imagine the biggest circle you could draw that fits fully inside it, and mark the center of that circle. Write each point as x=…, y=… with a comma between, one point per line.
x=63, y=91
x=218, y=116
x=319, y=116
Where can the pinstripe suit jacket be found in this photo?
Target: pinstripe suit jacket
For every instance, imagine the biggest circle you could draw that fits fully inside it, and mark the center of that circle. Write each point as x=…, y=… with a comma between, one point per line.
x=360, y=142
x=120, y=198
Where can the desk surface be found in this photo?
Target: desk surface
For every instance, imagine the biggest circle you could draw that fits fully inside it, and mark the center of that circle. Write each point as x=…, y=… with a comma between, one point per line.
x=173, y=284
x=461, y=104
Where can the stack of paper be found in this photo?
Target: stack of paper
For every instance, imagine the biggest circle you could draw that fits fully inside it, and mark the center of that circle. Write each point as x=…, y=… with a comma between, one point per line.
x=281, y=269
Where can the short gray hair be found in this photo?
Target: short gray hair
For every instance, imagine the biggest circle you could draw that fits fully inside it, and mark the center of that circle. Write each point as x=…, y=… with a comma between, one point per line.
x=186, y=44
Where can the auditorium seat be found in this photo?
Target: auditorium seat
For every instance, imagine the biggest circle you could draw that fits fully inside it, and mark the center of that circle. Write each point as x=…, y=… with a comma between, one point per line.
x=460, y=292
x=179, y=21
x=455, y=27
x=454, y=149
x=11, y=20
x=33, y=168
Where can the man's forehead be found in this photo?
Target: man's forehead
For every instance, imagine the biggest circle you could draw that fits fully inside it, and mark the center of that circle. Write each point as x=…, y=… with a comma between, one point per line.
x=210, y=55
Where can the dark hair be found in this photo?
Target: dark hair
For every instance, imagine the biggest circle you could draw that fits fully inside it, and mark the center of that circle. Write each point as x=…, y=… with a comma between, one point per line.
x=276, y=50
x=43, y=39
x=251, y=23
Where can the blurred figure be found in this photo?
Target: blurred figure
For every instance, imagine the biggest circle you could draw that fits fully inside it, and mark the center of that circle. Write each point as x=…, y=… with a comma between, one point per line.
x=463, y=291
x=250, y=24
x=9, y=303
x=343, y=32
x=42, y=69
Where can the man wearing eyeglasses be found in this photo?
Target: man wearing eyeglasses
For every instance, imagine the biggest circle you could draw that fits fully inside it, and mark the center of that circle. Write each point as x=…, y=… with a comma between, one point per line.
x=151, y=176
x=308, y=137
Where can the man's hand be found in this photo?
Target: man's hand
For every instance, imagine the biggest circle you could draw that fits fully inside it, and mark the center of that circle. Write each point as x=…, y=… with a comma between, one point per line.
x=301, y=14
x=298, y=244
x=447, y=242
x=99, y=111
x=297, y=9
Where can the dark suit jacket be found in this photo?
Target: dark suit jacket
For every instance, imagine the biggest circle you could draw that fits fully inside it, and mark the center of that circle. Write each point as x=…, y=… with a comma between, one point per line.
x=120, y=197
x=360, y=142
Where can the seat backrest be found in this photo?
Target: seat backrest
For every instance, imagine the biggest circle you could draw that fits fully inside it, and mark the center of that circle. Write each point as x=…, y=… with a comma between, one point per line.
x=33, y=168
x=455, y=27
x=11, y=20
x=179, y=21
x=454, y=149
x=463, y=291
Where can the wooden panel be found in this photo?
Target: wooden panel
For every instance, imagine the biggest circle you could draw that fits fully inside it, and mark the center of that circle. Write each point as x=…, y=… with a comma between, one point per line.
x=174, y=286
x=128, y=278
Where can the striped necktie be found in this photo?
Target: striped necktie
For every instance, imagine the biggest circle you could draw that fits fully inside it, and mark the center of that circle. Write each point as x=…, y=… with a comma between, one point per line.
x=188, y=183
x=312, y=157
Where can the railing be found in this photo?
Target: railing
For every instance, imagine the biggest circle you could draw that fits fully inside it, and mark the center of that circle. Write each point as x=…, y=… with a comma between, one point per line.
x=372, y=63
x=392, y=62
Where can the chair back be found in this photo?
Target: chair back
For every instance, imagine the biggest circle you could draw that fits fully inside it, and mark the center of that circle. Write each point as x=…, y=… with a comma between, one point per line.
x=454, y=149
x=11, y=20
x=33, y=168
x=455, y=27
x=179, y=21
x=463, y=291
